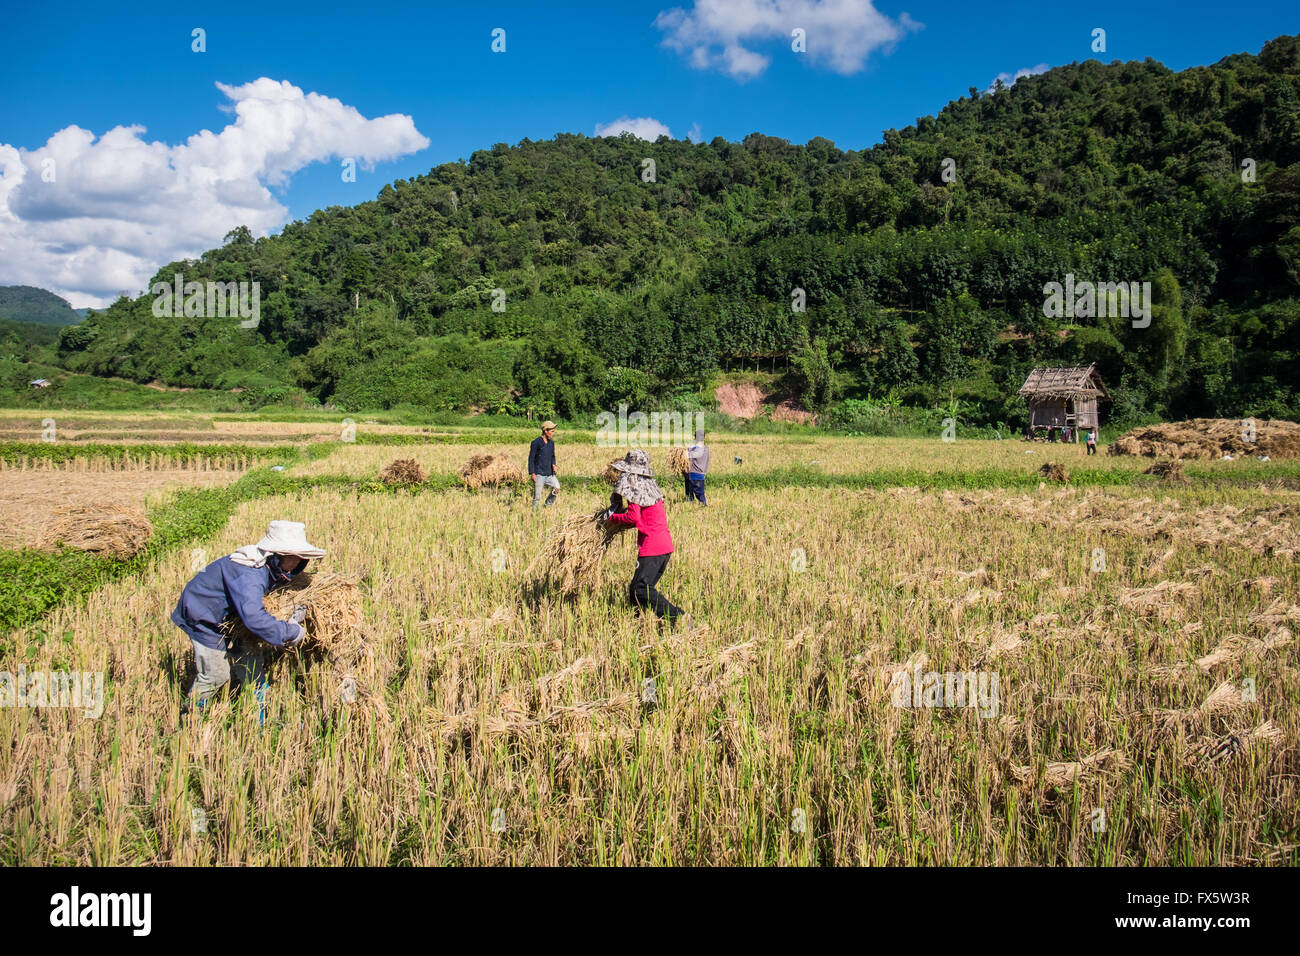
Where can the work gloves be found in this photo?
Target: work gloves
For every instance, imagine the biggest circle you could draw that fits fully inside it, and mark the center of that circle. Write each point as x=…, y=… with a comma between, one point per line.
x=297, y=618
x=604, y=515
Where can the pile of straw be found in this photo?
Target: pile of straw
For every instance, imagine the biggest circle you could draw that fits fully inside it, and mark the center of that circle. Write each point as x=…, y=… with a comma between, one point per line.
x=572, y=559
x=111, y=530
x=333, y=602
x=610, y=473
x=1053, y=472
x=1171, y=471
x=403, y=471
x=495, y=470
x=1208, y=438
x=678, y=461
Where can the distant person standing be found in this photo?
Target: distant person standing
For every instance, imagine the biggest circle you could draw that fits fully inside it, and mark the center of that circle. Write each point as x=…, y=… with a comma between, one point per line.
x=1092, y=440
x=698, y=456
x=541, y=465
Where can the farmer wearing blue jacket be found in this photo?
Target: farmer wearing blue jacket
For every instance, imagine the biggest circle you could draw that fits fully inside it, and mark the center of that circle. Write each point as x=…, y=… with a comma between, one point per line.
x=232, y=587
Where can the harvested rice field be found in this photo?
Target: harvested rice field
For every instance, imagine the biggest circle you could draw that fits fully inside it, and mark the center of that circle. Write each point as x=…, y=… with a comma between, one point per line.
x=29, y=498
x=581, y=456
x=1034, y=676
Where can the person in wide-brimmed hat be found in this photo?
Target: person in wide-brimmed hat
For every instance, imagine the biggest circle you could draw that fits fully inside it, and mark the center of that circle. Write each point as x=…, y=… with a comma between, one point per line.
x=645, y=511
x=233, y=586
x=541, y=465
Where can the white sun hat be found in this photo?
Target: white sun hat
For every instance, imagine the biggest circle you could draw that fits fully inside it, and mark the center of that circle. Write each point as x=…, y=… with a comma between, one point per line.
x=289, y=537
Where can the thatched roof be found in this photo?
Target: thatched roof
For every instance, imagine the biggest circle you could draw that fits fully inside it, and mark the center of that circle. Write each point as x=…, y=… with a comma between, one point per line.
x=1080, y=381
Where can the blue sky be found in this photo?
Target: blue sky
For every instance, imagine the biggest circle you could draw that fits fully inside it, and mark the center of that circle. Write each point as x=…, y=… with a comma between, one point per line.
x=568, y=67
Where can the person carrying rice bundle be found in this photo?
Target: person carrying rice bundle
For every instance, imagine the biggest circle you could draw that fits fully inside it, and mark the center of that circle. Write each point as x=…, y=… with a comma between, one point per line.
x=698, y=456
x=234, y=586
x=645, y=511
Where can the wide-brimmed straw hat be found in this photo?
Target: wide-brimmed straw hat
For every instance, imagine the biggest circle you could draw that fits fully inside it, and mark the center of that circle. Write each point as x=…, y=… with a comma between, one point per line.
x=289, y=537
x=636, y=482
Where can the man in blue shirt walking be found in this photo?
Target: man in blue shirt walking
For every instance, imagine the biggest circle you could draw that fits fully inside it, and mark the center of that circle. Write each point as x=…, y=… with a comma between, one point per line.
x=541, y=465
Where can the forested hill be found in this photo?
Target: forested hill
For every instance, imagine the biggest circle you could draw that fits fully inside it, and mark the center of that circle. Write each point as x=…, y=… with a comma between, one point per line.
x=25, y=303
x=620, y=288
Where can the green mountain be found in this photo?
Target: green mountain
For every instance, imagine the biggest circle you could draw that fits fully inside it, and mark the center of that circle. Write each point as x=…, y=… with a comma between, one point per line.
x=25, y=303
x=564, y=274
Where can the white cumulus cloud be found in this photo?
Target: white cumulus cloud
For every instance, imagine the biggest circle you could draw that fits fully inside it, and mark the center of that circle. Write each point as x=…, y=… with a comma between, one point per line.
x=1009, y=79
x=722, y=34
x=87, y=217
x=643, y=127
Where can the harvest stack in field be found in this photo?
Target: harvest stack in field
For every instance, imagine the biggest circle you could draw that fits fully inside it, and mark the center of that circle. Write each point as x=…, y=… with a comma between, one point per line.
x=403, y=471
x=111, y=530
x=495, y=470
x=1171, y=471
x=609, y=472
x=1208, y=438
x=1054, y=472
x=678, y=461
x=572, y=559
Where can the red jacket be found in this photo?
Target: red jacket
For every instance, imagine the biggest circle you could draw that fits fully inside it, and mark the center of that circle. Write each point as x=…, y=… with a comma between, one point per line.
x=652, y=537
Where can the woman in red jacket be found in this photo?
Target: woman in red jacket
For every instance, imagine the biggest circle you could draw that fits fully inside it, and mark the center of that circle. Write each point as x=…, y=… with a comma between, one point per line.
x=645, y=511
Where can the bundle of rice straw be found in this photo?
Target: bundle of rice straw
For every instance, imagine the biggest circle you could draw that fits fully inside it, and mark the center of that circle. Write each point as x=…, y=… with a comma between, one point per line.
x=110, y=530
x=1053, y=472
x=403, y=471
x=572, y=559
x=1171, y=471
x=610, y=473
x=495, y=470
x=334, y=618
x=678, y=460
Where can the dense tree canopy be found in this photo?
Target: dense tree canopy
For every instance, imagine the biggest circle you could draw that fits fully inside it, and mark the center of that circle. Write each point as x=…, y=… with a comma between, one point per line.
x=550, y=270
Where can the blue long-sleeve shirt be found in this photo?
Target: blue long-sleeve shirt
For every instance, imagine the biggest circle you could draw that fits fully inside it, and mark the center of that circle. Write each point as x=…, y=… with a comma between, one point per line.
x=541, y=456
x=224, y=589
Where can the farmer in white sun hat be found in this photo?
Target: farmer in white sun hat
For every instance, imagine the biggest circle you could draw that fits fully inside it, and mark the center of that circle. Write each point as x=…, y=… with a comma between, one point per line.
x=233, y=587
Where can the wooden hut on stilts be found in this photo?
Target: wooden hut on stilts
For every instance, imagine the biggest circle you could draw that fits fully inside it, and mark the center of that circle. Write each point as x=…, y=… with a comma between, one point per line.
x=1064, y=398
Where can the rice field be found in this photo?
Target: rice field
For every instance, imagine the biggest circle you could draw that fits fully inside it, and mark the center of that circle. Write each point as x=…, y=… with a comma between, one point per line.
x=832, y=456
x=1142, y=640
x=30, y=496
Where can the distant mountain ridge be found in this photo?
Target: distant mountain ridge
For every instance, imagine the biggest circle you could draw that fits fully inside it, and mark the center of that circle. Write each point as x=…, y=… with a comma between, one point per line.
x=26, y=303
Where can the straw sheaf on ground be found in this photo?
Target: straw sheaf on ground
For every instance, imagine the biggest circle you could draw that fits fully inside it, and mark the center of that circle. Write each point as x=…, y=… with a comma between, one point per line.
x=535, y=707
x=110, y=530
x=403, y=471
x=1211, y=438
x=495, y=470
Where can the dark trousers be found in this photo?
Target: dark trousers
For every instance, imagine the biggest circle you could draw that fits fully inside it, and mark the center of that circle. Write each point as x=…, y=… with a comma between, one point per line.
x=1092, y=449
x=695, y=490
x=642, y=589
